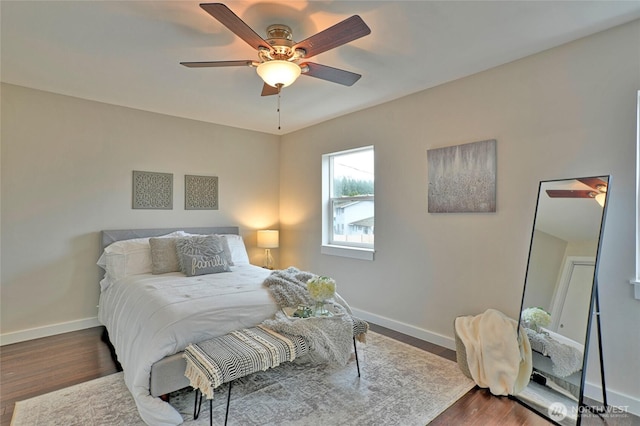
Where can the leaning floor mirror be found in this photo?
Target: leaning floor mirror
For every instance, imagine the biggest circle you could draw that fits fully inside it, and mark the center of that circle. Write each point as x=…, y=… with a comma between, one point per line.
x=560, y=299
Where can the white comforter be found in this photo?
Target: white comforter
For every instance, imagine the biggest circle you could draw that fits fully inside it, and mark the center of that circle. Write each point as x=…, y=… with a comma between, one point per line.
x=152, y=316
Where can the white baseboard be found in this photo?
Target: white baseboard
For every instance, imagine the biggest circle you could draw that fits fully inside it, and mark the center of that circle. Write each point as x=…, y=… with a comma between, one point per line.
x=48, y=330
x=411, y=330
x=624, y=403
x=617, y=399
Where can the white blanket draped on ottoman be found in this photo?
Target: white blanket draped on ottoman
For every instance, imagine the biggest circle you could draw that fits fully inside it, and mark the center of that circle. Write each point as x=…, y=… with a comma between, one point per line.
x=496, y=358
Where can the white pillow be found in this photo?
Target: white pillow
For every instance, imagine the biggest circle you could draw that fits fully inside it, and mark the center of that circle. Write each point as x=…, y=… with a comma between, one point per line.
x=238, y=250
x=129, y=257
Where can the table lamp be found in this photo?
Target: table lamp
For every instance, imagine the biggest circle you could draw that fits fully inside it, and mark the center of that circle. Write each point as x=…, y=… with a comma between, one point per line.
x=268, y=239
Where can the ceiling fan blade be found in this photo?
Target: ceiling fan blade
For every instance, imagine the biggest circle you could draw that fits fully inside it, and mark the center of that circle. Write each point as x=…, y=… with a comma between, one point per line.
x=268, y=90
x=334, y=75
x=230, y=20
x=595, y=183
x=341, y=33
x=213, y=64
x=568, y=193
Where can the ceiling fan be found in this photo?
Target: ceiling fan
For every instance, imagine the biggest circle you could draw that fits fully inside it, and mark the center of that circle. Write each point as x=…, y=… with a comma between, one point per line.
x=598, y=190
x=281, y=59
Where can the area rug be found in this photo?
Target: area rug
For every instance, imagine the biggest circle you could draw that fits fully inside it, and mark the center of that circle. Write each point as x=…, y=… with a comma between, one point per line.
x=399, y=385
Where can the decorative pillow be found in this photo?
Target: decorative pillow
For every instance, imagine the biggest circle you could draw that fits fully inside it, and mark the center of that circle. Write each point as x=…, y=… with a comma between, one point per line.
x=201, y=252
x=199, y=265
x=225, y=246
x=164, y=256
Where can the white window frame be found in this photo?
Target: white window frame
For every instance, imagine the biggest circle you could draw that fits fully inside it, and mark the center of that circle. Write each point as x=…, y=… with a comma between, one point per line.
x=329, y=246
x=636, y=282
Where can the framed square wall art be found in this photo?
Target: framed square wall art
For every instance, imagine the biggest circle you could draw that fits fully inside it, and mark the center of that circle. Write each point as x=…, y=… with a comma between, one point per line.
x=152, y=190
x=462, y=178
x=200, y=192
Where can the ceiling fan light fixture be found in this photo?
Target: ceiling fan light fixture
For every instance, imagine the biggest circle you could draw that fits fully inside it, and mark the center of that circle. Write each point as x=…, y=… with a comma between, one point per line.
x=601, y=198
x=278, y=72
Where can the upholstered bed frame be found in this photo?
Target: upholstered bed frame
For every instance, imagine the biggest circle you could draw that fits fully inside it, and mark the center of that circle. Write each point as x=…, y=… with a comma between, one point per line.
x=167, y=375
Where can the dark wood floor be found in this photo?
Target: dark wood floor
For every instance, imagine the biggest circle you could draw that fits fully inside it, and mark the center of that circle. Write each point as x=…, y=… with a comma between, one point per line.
x=35, y=367
x=478, y=407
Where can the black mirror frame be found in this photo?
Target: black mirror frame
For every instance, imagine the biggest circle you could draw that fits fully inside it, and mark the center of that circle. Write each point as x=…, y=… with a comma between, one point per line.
x=594, y=310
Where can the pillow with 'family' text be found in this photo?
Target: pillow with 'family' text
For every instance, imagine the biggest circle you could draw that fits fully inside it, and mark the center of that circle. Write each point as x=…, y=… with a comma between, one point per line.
x=201, y=254
x=200, y=265
x=229, y=246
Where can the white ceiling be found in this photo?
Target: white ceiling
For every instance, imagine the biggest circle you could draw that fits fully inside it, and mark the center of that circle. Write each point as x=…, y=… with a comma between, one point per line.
x=570, y=219
x=128, y=52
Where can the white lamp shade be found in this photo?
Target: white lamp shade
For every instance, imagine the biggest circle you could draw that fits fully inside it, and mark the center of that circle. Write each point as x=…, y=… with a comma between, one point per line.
x=601, y=198
x=268, y=239
x=278, y=72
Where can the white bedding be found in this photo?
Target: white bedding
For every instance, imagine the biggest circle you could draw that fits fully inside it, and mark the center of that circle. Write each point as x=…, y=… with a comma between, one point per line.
x=149, y=317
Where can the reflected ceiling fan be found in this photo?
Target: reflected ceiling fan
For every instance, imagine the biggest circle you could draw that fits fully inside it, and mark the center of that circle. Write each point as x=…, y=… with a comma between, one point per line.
x=281, y=59
x=598, y=190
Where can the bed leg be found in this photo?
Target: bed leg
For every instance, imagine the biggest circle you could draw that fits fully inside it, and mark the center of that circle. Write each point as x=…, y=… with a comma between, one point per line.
x=355, y=349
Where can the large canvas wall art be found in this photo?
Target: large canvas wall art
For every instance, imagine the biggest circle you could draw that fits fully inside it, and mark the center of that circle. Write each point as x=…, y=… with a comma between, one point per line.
x=462, y=178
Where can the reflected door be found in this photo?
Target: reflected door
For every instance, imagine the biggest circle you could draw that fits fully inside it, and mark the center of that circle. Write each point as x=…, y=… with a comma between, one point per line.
x=573, y=318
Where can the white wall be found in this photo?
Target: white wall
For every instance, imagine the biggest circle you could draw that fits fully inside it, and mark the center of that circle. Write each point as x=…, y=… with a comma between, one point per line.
x=567, y=112
x=67, y=174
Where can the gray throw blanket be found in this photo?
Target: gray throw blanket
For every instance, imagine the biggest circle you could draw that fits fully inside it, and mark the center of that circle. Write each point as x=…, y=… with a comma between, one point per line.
x=330, y=338
x=566, y=359
x=289, y=287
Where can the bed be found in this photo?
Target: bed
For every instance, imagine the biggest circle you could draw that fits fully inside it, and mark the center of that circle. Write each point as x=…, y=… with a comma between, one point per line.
x=150, y=318
x=557, y=361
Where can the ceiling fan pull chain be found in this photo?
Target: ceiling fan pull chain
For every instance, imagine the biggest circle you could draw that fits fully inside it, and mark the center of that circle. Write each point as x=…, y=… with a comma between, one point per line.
x=279, y=87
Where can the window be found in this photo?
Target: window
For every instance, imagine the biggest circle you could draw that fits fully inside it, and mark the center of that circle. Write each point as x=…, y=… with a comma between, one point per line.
x=348, y=203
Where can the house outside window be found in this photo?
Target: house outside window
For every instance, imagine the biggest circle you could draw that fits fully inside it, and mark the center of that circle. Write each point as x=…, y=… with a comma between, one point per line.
x=349, y=205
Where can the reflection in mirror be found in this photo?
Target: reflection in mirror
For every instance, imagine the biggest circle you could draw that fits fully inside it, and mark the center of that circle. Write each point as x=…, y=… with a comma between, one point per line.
x=557, y=297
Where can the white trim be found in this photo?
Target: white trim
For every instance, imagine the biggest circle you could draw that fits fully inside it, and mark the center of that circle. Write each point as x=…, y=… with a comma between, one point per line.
x=614, y=398
x=411, y=330
x=351, y=252
x=48, y=330
x=636, y=282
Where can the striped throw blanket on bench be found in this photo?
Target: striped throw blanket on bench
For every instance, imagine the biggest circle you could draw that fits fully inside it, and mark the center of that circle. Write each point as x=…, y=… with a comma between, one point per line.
x=238, y=354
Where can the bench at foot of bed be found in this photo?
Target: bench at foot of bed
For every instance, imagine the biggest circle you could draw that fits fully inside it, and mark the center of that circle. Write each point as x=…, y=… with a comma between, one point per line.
x=235, y=355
